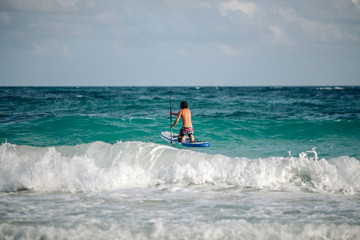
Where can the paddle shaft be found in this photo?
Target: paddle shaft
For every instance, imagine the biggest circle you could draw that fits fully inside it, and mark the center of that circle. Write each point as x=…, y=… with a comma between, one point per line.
x=170, y=118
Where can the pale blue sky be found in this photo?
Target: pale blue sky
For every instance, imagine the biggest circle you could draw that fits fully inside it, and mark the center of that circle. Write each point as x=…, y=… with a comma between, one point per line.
x=174, y=43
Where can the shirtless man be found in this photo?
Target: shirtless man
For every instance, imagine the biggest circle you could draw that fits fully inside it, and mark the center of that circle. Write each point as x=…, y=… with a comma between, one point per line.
x=187, y=128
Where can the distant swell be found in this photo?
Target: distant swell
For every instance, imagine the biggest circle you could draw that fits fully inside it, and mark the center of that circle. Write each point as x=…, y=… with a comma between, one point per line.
x=100, y=166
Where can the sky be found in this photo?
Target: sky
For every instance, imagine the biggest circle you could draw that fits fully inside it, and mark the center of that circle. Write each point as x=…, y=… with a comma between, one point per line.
x=179, y=42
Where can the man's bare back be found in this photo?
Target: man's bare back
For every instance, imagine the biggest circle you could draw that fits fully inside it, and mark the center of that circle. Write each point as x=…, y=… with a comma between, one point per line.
x=185, y=115
x=187, y=127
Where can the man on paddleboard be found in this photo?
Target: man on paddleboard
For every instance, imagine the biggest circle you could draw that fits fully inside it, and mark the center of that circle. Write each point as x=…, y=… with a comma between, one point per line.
x=187, y=128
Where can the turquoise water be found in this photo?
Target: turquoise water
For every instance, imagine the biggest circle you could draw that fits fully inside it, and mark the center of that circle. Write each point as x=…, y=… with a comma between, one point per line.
x=86, y=162
x=239, y=122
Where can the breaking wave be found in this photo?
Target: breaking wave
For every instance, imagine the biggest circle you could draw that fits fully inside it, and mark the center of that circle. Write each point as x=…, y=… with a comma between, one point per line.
x=101, y=166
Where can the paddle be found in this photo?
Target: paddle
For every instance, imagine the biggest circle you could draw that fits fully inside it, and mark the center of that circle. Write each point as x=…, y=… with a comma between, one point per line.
x=170, y=119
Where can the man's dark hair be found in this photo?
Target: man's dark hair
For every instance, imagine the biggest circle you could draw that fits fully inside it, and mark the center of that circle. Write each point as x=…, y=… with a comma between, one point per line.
x=183, y=105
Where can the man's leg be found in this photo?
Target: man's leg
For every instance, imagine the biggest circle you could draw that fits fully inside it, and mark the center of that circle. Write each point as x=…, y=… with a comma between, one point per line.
x=180, y=136
x=191, y=136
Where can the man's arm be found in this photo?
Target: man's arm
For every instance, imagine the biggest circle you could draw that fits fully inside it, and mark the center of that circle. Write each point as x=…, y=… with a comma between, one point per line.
x=176, y=114
x=177, y=120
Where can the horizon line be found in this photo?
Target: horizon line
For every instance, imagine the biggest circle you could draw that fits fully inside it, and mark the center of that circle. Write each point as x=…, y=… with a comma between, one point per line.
x=176, y=86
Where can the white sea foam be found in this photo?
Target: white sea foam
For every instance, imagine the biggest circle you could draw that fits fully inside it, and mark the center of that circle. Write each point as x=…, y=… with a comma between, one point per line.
x=100, y=166
x=330, y=88
x=227, y=229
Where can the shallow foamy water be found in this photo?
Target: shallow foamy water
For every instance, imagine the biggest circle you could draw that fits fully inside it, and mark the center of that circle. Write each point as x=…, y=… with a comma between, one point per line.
x=136, y=190
x=170, y=212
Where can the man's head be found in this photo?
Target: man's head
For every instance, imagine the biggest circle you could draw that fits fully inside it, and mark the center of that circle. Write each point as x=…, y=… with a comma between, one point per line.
x=183, y=104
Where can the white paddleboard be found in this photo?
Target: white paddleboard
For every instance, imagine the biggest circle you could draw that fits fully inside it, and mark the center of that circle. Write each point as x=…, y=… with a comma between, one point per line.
x=166, y=135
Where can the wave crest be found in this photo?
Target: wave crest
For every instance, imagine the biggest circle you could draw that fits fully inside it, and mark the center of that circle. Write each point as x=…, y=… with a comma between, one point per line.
x=100, y=166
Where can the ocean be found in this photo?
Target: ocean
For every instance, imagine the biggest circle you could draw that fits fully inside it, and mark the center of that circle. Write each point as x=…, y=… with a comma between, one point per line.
x=89, y=163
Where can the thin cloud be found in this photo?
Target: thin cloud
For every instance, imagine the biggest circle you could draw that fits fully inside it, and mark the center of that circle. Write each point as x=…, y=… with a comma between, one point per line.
x=40, y=5
x=5, y=19
x=186, y=4
x=182, y=52
x=50, y=49
x=248, y=8
x=108, y=18
x=356, y=3
x=44, y=49
x=227, y=50
x=316, y=31
x=278, y=36
x=67, y=52
x=117, y=48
